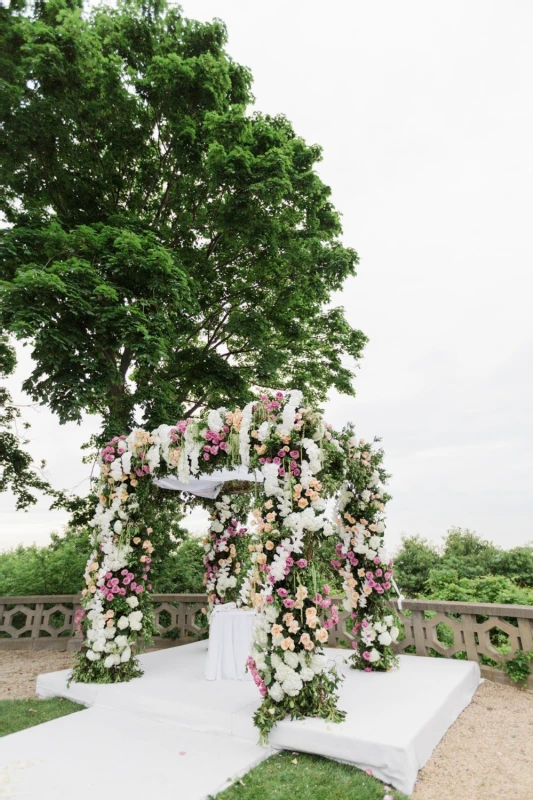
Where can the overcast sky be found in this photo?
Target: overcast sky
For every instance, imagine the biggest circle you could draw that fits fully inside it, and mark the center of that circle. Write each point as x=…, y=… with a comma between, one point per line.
x=425, y=114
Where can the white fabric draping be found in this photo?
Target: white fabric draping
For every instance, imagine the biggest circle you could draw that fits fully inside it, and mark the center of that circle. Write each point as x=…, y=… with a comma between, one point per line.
x=209, y=485
x=230, y=639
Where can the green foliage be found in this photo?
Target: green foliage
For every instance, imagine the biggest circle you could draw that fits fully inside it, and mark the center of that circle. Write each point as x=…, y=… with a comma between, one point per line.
x=413, y=563
x=55, y=569
x=468, y=569
x=166, y=248
x=16, y=715
x=18, y=473
x=445, y=584
x=288, y=775
x=58, y=567
x=518, y=668
x=182, y=570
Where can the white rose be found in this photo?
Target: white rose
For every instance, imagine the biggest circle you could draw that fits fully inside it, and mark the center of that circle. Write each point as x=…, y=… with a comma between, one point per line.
x=126, y=655
x=132, y=601
x=394, y=632
x=123, y=623
x=374, y=655
x=92, y=656
x=117, y=527
x=385, y=638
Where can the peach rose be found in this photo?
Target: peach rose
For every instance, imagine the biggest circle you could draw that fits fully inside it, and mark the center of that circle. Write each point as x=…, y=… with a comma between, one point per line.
x=321, y=635
x=287, y=644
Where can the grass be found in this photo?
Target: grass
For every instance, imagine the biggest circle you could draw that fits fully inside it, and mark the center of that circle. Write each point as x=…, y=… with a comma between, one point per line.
x=287, y=776
x=16, y=715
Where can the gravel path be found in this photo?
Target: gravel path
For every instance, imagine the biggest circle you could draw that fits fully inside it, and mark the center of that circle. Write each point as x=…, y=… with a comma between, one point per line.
x=486, y=755
x=19, y=670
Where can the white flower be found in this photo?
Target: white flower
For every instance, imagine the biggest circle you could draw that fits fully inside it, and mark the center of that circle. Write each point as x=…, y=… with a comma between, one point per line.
x=374, y=655
x=132, y=601
x=123, y=623
x=283, y=672
x=125, y=655
x=293, y=685
x=306, y=674
x=394, y=633
x=214, y=420
x=111, y=660
x=109, y=633
x=121, y=641
x=117, y=527
x=365, y=495
x=276, y=692
x=271, y=613
x=275, y=660
x=135, y=620
x=291, y=659
x=92, y=656
x=385, y=638
x=263, y=430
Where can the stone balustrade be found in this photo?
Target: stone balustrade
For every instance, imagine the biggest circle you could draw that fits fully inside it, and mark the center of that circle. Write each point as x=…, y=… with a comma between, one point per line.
x=487, y=633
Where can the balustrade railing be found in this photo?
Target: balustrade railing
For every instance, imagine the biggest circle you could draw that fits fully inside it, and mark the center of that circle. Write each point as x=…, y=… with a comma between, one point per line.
x=488, y=633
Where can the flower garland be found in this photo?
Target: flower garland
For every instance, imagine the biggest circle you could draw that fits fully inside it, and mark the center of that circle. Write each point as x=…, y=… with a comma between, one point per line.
x=223, y=558
x=363, y=562
x=303, y=463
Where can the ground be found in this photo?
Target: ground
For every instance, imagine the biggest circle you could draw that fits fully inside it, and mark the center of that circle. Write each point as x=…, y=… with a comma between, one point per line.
x=486, y=755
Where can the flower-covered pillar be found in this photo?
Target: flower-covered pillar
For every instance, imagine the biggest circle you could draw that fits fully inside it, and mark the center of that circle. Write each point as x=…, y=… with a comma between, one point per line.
x=362, y=559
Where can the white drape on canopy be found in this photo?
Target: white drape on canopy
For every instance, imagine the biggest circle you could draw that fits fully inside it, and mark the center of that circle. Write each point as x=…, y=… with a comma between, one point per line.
x=209, y=485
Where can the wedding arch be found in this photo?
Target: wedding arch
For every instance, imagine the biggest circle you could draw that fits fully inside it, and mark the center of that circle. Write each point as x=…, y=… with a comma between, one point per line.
x=307, y=483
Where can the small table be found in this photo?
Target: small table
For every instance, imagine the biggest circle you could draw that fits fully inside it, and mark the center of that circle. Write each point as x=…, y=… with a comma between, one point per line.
x=230, y=640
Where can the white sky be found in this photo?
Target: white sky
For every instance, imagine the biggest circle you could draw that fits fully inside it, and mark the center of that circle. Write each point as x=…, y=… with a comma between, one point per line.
x=424, y=112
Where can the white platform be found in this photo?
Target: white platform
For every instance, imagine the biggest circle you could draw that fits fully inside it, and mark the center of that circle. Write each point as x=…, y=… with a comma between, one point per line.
x=394, y=720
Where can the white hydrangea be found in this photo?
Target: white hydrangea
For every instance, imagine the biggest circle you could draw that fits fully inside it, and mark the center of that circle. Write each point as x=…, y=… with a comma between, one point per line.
x=276, y=692
x=291, y=659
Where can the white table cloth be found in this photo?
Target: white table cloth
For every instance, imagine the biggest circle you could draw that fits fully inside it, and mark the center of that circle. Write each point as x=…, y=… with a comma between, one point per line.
x=230, y=639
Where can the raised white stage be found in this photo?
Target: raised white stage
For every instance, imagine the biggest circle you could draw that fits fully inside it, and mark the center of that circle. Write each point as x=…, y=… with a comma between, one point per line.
x=394, y=721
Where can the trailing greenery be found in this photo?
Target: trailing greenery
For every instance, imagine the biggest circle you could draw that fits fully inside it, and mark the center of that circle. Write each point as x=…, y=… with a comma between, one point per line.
x=166, y=248
x=16, y=715
x=466, y=568
x=288, y=775
x=517, y=668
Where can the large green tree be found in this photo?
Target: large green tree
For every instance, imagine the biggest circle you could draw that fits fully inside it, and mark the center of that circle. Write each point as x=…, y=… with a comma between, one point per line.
x=165, y=247
x=18, y=472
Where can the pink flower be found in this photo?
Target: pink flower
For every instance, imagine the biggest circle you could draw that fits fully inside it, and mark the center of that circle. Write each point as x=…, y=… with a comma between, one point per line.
x=288, y=603
x=281, y=454
x=302, y=563
x=269, y=599
x=327, y=588
x=296, y=472
x=386, y=585
x=294, y=454
x=368, y=669
x=206, y=456
x=279, y=395
x=276, y=460
x=223, y=446
x=133, y=585
x=377, y=560
x=282, y=592
x=139, y=589
x=149, y=587
x=366, y=655
x=109, y=597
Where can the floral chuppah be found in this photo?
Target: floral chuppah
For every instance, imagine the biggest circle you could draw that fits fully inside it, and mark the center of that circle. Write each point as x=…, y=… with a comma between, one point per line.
x=302, y=463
